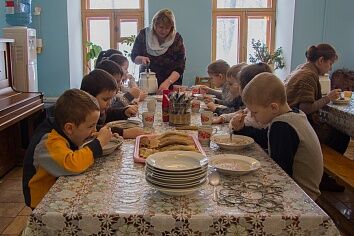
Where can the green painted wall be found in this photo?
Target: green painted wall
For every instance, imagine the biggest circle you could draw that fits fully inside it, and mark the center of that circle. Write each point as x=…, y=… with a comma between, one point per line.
x=313, y=21
x=195, y=28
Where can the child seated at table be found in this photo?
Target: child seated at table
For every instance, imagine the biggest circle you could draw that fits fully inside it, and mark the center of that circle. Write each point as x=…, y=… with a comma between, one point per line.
x=105, y=54
x=55, y=149
x=121, y=99
x=217, y=72
x=247, y=73
x=132, y=87
x=103, y=87
x=292, y=142
x=234, y=90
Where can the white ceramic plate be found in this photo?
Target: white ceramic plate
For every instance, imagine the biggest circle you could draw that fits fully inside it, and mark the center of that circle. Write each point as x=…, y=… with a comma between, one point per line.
x=177, y=192
x=201, y=96
x=345, y=100
x=175, y=185
x=112, y=145
x=234, y=164
x=237, y=142
x=177, y=174
x=178, y=179
x=124, y=124
x=177, y=160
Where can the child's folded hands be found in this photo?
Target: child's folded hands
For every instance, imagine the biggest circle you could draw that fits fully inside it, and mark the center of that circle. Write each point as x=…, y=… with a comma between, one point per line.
x=143, y=95
x=132, y=110
x=238, y=121
x=211, y=106
x=218, y=120
x=104, y=135
x=135, y=92
x=203, y=89
x=207, y=99
x=133, y=132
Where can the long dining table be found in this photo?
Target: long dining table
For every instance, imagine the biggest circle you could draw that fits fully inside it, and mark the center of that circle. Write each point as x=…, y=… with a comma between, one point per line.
x=113, y=198
x=340, y=116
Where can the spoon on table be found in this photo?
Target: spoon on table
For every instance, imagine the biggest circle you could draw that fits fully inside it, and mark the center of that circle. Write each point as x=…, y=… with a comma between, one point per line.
x=214, y=180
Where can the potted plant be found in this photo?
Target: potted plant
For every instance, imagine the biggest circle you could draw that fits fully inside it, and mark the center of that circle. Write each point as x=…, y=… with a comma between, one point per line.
x=128, y=41
x=262, y=54
x=92, y=53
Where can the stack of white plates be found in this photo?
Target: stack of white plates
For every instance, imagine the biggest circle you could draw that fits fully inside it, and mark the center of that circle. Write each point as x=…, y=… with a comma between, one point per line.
x=176, y=172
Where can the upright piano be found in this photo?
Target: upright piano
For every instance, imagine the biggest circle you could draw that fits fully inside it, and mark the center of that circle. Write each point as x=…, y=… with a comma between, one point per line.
x=18, y=111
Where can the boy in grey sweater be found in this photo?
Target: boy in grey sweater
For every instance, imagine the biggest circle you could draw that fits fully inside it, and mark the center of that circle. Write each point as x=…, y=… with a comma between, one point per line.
x=292, y=142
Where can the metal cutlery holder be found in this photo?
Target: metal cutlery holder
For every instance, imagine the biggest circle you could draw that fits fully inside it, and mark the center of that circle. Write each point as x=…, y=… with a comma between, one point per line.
x=179, y=114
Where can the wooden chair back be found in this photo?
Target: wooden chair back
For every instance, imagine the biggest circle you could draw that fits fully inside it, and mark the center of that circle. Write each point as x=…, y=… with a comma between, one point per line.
x=204, y=81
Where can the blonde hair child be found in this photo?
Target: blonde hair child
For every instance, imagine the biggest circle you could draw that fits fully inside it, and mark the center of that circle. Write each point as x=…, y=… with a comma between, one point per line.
x=292, y=143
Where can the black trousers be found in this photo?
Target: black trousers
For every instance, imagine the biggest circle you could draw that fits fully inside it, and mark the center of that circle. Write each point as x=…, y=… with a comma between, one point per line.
x=338, y=141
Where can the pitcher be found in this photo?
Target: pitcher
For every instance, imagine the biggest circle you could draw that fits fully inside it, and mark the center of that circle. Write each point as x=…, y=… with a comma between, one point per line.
x=148, y=81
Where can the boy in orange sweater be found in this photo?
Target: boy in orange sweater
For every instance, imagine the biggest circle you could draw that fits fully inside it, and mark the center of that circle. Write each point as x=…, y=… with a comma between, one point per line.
x=55, y=147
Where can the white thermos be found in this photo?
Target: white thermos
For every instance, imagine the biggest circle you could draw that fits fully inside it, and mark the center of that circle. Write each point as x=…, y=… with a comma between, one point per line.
x=148, y=82
x=325, y=84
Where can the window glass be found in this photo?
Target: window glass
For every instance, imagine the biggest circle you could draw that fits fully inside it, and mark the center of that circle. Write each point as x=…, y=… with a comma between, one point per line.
x=109, y=22
x=99, y=32
x=227, y=39
x=243, y=4
x=257, y=30
x=128, y=27
x=114, y=4
x=236, y=23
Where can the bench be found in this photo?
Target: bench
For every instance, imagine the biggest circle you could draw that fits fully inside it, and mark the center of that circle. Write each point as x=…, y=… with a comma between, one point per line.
x=338, y=166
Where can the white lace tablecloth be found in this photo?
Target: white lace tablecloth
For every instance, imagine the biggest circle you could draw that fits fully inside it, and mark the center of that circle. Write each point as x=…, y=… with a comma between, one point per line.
x=113, y=198
x=340, y=117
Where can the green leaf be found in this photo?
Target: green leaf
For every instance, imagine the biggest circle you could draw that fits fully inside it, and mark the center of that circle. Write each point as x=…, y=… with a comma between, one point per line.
x=93, y=50
x=262, y=54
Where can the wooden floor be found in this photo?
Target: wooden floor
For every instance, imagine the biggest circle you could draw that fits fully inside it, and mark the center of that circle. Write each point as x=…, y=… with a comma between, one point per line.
x=14, y=213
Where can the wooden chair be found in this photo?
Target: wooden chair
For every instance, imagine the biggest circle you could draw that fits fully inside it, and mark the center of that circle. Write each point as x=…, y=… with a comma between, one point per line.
x=204, y=81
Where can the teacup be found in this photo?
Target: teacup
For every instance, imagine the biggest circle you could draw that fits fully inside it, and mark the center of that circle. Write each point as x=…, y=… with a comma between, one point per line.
x=148, y=119
x=206, y=117
x=151, y=105
x=195, y=105
x=204, y=134
x=195, y=90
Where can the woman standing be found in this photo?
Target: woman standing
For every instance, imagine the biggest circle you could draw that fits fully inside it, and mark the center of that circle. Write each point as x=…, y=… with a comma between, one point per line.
x=161, y=47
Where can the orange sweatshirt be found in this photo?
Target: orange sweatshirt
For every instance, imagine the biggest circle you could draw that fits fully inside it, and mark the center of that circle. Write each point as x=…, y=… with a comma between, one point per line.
x=53, y=156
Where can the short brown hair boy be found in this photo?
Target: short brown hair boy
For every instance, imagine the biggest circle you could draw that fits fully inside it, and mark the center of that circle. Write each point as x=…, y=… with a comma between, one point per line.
x=55, y=148
x=111, y=67
x=291, y=141
x=264, y=89
x=250, y=71
x=218, y=67
x=98, y=81
x=235, y=70
x=73, y=106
